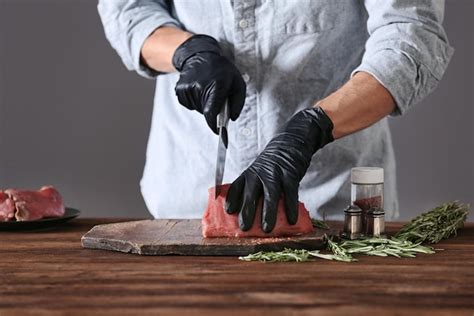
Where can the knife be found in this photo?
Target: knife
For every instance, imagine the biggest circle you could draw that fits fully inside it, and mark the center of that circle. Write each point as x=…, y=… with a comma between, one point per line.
x=222, y=120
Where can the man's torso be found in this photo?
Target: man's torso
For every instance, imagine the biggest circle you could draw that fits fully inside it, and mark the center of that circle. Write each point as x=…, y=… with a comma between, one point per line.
x=291, y=53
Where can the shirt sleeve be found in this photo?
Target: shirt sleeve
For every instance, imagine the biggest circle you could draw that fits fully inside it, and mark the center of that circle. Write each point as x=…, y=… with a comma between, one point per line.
x=407, y=50
x=128, y=23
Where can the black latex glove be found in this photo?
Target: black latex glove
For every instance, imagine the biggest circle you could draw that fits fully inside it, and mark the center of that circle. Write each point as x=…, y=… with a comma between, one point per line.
x=279, y=169
x=207, y=79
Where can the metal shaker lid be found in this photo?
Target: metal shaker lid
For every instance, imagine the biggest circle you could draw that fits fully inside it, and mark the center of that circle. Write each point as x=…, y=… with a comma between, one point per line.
x=376, y=212
x=353, y=210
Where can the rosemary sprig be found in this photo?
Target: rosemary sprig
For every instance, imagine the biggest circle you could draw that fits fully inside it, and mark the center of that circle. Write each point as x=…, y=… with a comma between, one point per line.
x=385, y=247
x=339, y=252
x=435, y=225
x=381, y=247
x=298, y=255
x=319, y=223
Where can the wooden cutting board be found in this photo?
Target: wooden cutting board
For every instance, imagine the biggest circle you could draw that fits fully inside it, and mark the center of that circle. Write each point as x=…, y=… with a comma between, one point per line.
x=183, y=237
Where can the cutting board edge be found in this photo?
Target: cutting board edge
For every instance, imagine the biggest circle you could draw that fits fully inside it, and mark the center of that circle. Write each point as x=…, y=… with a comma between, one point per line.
x=193, y=249
x=110, y=244
x=98, y=238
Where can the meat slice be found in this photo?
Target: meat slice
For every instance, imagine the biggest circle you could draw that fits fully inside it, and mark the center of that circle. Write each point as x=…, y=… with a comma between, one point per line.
x=7, y=208
x=217, y=223
x=32, y=205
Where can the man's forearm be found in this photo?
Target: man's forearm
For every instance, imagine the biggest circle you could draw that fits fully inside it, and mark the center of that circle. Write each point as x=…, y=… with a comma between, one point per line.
x=361, y=102
x=159, y=47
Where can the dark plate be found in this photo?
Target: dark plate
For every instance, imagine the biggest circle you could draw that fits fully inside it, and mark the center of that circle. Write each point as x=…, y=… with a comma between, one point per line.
x=44, y=223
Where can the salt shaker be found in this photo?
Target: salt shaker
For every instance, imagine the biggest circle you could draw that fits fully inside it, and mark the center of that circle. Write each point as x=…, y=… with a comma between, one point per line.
x=352, y=222
x=375, y=220
x=367, y=190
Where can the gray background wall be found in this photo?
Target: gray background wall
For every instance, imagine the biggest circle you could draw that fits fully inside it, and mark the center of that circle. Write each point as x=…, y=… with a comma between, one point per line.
x=71, y=115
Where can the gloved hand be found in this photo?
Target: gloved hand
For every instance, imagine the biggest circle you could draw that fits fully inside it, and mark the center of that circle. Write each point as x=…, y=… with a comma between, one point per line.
x=207, y=79
x=279, y=169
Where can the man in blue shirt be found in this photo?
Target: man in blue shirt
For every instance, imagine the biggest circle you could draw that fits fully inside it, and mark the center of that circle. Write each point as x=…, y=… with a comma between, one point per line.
x=299, y=76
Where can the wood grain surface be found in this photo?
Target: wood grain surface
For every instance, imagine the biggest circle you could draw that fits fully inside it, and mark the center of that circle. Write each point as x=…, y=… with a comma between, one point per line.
x=49, y=273
x=184, y=237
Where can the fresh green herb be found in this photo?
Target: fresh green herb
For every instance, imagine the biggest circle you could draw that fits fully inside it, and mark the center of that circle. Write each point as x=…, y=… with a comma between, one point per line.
x=435, y=225
x=385, y=247
x=343, y=251
x=319, y=223
x=339, y=252
x=298, y=255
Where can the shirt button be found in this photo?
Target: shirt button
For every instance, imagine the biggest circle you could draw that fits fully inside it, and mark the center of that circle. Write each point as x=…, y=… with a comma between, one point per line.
x=246, y=77
x=243, y=23
x=246, y=131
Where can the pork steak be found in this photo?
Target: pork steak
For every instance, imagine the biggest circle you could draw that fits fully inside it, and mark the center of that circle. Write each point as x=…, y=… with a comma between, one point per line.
x=217, y=223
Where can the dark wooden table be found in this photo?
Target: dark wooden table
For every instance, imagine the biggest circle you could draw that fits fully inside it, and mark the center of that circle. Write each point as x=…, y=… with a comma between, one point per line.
x=49, y=273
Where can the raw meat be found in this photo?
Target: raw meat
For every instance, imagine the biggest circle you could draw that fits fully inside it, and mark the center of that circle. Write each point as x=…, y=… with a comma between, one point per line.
x=217, y=223
x=32, y=205
x=7, y=208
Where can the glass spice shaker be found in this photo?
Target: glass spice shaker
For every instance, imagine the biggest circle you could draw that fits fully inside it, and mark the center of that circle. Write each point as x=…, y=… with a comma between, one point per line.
x=367, y=190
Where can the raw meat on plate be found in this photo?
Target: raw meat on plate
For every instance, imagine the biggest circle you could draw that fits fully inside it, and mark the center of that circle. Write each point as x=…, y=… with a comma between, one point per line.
x=217, y=223
x=31, y=205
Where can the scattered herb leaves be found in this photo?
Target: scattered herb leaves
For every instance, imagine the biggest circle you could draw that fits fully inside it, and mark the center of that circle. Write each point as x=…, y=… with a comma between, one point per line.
x=343, y=251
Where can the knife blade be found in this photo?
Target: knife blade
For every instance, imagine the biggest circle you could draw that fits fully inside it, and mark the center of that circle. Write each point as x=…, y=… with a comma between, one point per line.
x=222, y=121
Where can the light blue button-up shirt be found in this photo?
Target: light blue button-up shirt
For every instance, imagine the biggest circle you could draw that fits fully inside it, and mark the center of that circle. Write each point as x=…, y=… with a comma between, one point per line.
x=291, y=54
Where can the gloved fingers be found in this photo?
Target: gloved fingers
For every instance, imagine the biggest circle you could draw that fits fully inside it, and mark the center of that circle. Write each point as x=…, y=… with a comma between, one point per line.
x=188, y=95
x=213, y=99
x=233, y=202
x=237, y=97
x=290, y=193
x=251, y=196
x=271, y=196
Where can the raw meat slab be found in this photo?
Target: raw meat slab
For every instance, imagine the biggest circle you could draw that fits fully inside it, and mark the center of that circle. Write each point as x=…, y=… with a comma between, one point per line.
x=217, y=223
x=183, y=237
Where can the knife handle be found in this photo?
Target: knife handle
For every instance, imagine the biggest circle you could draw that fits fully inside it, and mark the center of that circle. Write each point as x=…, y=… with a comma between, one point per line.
x=223, y=116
